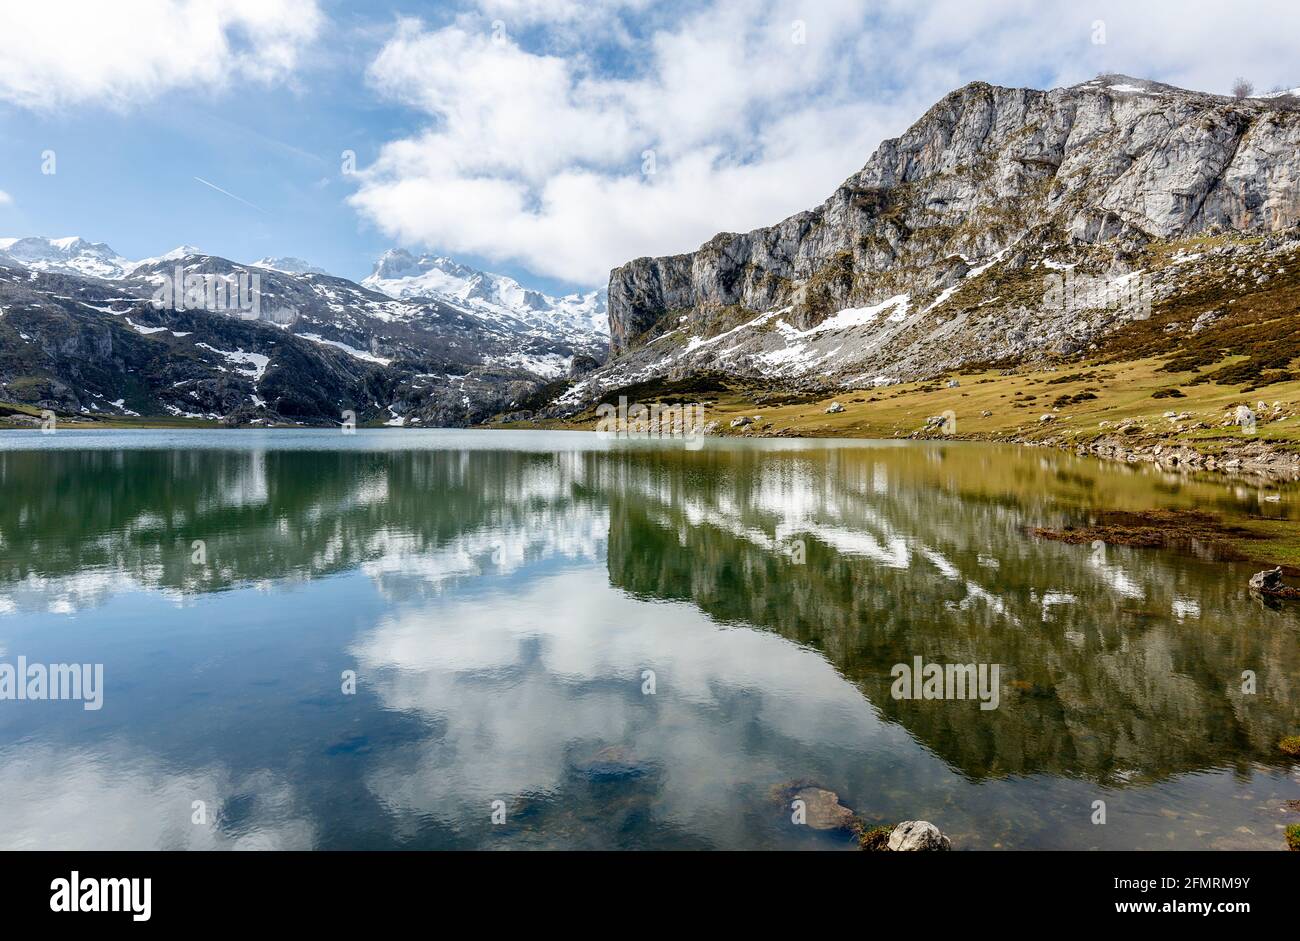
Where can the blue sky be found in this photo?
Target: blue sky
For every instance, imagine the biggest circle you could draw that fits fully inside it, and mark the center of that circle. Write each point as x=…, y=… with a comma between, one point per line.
x=547, y=139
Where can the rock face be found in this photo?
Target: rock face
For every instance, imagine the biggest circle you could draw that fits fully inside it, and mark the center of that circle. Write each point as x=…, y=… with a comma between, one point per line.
x=859, y=290
x=918, y=836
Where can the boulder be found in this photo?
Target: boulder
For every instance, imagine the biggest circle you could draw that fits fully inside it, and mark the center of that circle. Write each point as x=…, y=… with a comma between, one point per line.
x=834, y=409
x=581, y=364
x=1267, y=580
x=918, y=836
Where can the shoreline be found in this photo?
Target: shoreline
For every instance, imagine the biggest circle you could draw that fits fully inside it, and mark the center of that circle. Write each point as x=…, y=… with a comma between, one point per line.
x=1187, y=532
x=1254, y=461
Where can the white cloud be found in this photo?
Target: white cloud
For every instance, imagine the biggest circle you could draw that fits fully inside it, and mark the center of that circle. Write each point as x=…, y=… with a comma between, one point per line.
x=538, y=158
x=534, y=152
x=5, y=199
x=63, y=52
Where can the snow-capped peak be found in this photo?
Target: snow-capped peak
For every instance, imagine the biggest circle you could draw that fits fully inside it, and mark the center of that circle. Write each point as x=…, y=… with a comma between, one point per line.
x=177, y=253
x=70, y=255
x=399, y=274
x=287, y=264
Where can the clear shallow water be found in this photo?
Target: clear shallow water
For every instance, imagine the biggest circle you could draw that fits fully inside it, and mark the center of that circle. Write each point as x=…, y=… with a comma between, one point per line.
x=500, y=596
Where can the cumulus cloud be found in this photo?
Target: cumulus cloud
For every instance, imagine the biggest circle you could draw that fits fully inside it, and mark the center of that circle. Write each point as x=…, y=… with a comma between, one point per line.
x=553, y=162
x=556, y=153
x=5, y=199
x=64, y=52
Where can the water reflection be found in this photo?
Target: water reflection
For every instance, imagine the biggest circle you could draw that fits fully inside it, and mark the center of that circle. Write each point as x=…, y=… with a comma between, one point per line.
x=502, y=597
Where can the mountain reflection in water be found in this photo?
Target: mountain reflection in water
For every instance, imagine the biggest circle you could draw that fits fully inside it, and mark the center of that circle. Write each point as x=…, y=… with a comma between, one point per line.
x=501, y=597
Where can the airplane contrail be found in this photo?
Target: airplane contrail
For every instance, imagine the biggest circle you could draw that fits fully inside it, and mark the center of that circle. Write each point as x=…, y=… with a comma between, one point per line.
x=230, y=194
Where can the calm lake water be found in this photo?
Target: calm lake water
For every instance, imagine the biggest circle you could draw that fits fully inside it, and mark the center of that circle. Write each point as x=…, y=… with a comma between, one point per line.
x=503, y=596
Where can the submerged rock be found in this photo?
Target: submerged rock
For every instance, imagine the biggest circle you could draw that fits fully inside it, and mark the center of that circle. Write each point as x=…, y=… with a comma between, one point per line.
x=918, y=836
x=823, y=809
x=605, y=762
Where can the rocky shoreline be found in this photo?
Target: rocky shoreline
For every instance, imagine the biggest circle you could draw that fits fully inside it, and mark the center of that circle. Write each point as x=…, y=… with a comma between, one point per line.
x=1256, y=462
x=1255, y=459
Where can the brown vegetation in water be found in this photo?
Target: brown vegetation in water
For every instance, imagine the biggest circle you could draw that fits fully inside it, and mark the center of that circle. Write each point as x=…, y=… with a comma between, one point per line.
x=875, y=840
x=1157, y=529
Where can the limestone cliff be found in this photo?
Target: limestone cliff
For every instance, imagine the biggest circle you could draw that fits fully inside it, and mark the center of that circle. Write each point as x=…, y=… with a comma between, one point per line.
x=879, y=282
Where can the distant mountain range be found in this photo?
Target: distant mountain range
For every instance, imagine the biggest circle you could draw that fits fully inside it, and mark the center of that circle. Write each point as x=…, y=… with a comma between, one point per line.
x=400, y=274
x=74, y=256
x=423, y=341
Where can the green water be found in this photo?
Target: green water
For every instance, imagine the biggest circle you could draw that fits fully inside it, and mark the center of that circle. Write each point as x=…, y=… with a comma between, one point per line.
x=504, y=599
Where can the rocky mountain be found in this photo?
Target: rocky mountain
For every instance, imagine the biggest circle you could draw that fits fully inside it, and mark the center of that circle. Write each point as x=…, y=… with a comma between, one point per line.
x=1008, y=225
x=186, y=334
x=72, y=255
x=400, y=274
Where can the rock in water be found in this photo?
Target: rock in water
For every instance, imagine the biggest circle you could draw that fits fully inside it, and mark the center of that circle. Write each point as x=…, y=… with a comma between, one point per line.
x=1267, y=580
x=823, y=809
x=918, y=836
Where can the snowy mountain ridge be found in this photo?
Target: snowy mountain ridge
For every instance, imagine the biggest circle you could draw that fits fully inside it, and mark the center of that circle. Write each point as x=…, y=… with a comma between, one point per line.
x=399, y=274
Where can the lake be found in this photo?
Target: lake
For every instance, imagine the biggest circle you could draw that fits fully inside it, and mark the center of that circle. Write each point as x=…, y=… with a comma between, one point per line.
x=387, y=639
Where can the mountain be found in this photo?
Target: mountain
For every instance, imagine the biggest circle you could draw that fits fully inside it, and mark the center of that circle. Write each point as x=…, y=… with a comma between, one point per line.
x=1007, y=226
x=83, y=332
x=288, y=265
x=400, y=274
x=71, y=255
